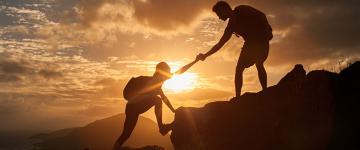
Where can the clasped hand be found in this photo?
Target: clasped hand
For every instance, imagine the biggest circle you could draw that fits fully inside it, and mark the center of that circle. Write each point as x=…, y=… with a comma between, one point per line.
x=201, y=57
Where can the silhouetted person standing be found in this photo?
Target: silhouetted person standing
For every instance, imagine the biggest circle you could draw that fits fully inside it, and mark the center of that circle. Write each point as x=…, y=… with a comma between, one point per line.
x=252, y=25
x=142, y=93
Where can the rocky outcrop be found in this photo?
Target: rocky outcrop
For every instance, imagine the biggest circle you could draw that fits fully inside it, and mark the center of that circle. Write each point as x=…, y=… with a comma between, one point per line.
x=314, y=111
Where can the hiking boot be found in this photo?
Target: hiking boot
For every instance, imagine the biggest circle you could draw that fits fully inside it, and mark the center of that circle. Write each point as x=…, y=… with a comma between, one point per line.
x=165, y=128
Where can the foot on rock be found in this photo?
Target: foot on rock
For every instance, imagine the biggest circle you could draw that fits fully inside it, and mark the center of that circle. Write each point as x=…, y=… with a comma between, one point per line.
x=166, y=128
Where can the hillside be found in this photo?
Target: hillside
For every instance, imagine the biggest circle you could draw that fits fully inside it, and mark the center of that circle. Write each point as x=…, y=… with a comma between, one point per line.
x=314, y=111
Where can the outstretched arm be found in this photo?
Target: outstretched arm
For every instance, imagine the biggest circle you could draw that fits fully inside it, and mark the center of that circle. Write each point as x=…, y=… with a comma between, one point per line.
x=226, y=36
x=166, y=101
x=186, y=67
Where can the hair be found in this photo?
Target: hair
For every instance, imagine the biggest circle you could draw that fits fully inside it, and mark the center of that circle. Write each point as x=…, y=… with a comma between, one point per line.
x=163, y=68
x=221, y=6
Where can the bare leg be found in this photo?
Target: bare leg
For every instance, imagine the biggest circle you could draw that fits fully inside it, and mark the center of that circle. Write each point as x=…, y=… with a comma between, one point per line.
x=158, y=112
x=262, y=75
x=238, y=79
x=129, y=125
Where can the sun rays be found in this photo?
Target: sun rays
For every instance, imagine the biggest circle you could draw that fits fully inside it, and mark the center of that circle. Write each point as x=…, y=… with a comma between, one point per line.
x=181, y=83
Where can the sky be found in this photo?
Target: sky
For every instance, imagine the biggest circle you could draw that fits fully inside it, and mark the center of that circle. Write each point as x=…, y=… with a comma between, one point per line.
x=64, y=63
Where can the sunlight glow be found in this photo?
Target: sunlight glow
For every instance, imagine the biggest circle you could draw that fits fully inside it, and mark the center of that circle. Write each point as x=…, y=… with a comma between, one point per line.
x=181, y=83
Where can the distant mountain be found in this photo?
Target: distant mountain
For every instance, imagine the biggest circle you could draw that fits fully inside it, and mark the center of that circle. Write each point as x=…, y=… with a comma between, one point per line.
x=17, y=140
x=53, y=135
x=315, y=111
x=101, y=135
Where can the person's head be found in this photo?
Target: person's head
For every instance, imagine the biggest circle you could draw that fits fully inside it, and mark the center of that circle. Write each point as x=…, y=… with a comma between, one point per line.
x=162, y=71
x=222, y=9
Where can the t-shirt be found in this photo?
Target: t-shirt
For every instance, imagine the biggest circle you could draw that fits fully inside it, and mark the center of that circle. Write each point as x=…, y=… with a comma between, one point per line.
x=249, y=23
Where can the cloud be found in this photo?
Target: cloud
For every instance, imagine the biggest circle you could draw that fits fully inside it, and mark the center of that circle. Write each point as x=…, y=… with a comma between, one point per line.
x=159, y=17
x=9, y=78
x=111, y=87
x=14, y=70
x=166, y=15
x=48, y=74
x=13, y=67
x=90, y=11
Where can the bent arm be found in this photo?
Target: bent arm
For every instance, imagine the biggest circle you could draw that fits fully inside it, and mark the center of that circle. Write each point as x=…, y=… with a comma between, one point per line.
x=226, y=36
x=166, y=101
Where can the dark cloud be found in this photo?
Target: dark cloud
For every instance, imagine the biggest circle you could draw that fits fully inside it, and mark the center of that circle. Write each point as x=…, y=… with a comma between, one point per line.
x=168, y=15
x=11, y=71
x=335, y=27
x=15, y=67
x=155, y=16
x=316, y=29
x=50, y=74
x=6, y=19
x=9, y=78
x=62, y=11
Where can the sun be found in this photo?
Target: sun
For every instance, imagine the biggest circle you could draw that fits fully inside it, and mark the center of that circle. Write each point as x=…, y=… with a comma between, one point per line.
x=181, y=83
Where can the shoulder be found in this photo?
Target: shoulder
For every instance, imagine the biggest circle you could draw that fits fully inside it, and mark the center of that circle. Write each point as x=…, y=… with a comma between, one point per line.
x=231, y=25
x=246, y=9
x=243, y=7
x=144, y=78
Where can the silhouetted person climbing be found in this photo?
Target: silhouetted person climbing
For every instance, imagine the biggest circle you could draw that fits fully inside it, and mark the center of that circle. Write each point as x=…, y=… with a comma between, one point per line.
x=144, y=92
x=253, y=26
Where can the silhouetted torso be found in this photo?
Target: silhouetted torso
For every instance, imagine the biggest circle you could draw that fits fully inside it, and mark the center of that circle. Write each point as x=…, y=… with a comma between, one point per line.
x=151, y=86
x=250, y=23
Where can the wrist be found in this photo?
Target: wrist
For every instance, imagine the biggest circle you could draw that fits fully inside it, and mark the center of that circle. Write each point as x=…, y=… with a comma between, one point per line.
x=206, y=55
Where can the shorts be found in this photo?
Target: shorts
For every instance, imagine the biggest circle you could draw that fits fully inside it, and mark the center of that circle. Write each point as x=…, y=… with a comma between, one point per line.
x=142, y=106
x=253, y=52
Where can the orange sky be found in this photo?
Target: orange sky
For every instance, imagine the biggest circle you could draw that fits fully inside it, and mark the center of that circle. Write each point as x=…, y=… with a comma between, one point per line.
x=63, y=63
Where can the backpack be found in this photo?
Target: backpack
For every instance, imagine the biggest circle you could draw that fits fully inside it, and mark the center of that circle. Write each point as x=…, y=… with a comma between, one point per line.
x=135, y=86
x=253, y=22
